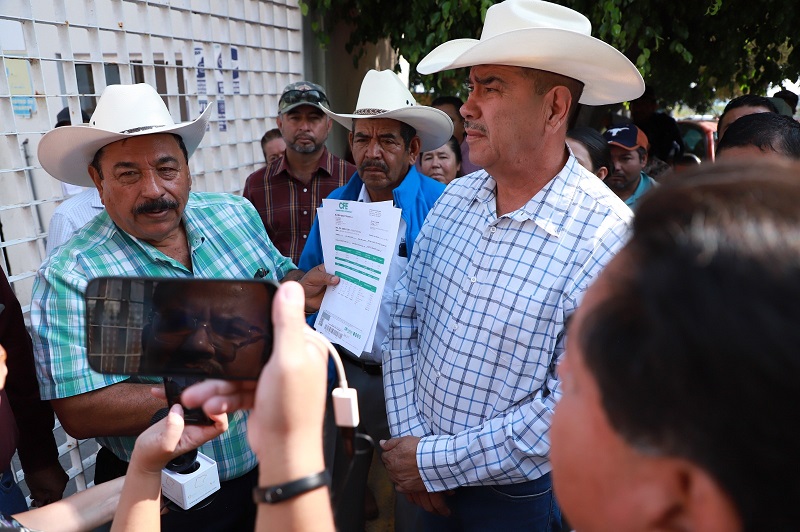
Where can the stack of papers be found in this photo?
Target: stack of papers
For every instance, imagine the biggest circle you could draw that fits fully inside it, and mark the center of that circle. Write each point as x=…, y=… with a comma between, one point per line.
x=358, y=243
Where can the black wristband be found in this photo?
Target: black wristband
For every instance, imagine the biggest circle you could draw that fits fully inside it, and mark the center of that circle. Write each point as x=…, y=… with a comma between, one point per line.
x=282, y=492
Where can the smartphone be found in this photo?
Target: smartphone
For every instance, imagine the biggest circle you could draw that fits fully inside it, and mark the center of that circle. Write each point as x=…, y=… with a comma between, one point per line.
x=180, y=328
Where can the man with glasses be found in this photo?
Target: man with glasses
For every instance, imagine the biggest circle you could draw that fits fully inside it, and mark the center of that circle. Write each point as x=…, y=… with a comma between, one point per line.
x=219, y=329
x=288, y=191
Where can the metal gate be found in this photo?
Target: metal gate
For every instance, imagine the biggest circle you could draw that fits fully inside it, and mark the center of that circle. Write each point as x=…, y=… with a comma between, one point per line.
x=235, y=55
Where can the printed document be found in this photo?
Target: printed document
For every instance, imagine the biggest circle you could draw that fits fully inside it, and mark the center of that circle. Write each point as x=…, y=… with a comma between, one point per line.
x=358, y=243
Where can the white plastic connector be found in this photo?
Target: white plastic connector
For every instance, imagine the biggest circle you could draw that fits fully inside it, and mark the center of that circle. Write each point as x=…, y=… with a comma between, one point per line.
x=345, y=400
x=345, y=407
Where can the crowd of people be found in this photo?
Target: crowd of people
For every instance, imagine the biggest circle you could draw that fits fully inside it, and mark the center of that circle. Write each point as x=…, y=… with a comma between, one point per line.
x=564, y=341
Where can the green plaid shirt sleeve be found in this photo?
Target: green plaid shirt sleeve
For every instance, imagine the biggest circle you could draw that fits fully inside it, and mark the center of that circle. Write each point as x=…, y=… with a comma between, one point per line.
x=227, y=240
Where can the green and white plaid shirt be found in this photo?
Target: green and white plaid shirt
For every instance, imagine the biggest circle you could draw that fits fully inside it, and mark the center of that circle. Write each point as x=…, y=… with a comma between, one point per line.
x=227, y=241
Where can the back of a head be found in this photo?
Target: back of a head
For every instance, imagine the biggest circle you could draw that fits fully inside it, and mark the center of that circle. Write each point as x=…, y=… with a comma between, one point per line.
x=596, y=145
x=696, y=351
x=455, y=101
x=769, y=132
x=748, y=100
x=789, y=97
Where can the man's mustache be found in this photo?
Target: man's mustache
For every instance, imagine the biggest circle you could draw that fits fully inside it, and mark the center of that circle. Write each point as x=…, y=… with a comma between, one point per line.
x=160, y=204
x=475, y=127
x=373, y=163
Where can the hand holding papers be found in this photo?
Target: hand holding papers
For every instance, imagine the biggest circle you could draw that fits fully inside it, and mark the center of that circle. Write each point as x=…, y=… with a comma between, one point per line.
x=358, y=242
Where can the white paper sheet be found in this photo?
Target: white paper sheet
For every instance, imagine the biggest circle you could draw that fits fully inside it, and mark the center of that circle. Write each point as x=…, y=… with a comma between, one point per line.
x=358, y=243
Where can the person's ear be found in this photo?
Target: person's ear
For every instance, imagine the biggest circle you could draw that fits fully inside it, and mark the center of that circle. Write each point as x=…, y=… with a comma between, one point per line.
x=707, y=506
x=413, y=150
x=350, y=140
x=97, y=179
x=691, y=500
x=602, y=172
x=559, y=102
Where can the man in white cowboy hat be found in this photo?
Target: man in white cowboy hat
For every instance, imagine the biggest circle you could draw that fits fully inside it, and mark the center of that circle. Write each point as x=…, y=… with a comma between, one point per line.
x=480, y=315
x=137, y=158
x=388, y=129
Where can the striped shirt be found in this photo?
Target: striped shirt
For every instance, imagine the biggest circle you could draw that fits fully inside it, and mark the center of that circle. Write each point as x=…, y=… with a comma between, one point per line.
x=479, y=320
x=226, y=240
x=71, y=215
x=287, y=206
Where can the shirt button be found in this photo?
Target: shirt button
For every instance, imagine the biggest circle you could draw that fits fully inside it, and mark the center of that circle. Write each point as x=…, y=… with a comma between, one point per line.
x=305, y=190
x=492, y=229
x=305, y=212
x=305, y=236
x=455, y=327
x=473, y=279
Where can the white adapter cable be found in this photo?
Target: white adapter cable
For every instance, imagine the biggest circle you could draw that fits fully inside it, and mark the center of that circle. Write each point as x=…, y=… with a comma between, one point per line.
x=345, y=400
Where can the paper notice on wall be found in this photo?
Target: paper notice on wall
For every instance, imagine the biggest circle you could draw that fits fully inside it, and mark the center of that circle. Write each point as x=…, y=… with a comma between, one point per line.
x=200, y=63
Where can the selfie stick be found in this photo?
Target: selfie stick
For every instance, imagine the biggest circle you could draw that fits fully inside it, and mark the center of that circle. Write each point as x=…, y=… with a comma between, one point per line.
x=345, y=400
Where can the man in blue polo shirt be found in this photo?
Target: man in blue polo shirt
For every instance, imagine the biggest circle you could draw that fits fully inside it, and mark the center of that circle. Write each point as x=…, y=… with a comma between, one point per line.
x=629, y=156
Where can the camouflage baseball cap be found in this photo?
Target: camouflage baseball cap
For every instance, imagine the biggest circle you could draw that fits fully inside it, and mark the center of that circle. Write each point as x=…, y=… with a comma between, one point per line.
x=302, y=93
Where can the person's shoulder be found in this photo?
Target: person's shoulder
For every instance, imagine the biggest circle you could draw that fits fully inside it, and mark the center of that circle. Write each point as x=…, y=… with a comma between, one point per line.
x=92, y=242
x=348, y=191
x=78, y=200
x=261, y=173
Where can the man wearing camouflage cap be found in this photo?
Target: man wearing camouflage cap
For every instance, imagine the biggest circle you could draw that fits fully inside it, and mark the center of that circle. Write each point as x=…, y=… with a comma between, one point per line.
x=288, y=191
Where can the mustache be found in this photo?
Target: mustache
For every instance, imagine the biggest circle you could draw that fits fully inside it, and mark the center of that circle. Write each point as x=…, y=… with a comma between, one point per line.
x=480, y=128
x=373, y=163
x=160, y=204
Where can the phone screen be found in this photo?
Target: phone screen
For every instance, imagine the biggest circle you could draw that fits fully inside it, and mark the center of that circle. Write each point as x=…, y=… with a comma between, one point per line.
x=202, y=328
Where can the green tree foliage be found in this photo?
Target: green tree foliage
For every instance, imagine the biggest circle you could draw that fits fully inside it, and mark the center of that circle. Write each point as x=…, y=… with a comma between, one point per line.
x=692, y=52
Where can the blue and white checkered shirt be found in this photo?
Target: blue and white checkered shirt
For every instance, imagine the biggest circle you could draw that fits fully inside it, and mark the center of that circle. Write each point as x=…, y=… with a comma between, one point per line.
x=479, y=320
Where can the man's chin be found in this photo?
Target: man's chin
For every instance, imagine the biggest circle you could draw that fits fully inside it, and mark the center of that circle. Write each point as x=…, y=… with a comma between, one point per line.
x=305, y=148
x=615, y=184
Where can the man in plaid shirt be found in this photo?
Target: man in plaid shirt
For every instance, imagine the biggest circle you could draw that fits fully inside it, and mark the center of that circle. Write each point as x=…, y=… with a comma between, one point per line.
x=499, y=266
x=137, y=157
x=287, y=192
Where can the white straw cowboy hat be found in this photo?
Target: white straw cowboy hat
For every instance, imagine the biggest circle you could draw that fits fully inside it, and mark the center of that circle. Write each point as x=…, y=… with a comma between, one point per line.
x=544, y=36
x=123, y=111
x=384, y=95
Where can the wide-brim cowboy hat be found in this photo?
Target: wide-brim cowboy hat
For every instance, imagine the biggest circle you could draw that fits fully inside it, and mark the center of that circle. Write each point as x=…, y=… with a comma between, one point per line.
x=123, y=111
x=544, y=36
x=384, y=95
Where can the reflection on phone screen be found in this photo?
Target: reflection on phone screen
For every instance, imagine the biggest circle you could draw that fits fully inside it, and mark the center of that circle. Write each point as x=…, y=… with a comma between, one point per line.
x=179, y=327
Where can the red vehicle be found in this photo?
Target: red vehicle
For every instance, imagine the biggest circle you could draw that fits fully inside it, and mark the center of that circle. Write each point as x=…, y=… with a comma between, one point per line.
x=699, y=137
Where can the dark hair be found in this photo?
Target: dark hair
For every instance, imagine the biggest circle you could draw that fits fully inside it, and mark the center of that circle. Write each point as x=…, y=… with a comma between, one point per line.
x=695, y=351
x=455, y=101
x=747, y=100
x=596, y=145
x=99, y=154
x=407, y=133
x=767, y=131
x=272, y=134
x=789, y=97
